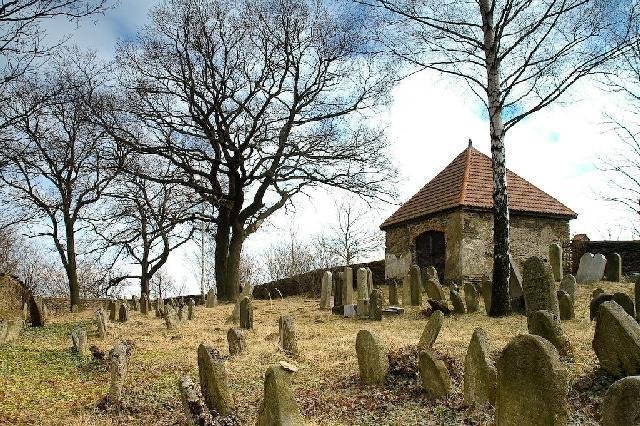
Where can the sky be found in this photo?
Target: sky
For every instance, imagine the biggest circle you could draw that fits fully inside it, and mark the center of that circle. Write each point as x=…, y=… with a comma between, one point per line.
x=431, y=119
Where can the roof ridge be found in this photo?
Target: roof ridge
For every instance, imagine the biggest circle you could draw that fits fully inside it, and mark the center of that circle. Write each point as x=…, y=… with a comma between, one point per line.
x=465, y=176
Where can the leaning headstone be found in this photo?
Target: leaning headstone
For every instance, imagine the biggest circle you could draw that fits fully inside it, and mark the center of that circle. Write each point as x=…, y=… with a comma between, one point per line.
x=568, y=284
x=191, y=308
x=236, y=341
x=144, y=306
x=626, y=302
x=373, y=360
x=456, y=301
x=596, y=302
x=532, y=384
x=555, y=259
x=565, y=305
x=375, y=305
x=613, y=268
x=287, y=335
x=439, y=305
x=621, y=403
x=543, y=324
x=118, y=364
x=434, y=290
x=434, y=376
x=363, y=293
x=123, y=314
x=213, y=381
x=539, y=287
x=279, y=406
x=416, y=286
x=582, y=277
x=101, y=320
x=212, y=299
x=246, y=314
x=432, y=274
x=480, y=374
x=471, y=297
x=195, y=409
x=79, y=339
x=431, y=330
x=325, y=292
x=596, y=269
x=393, y=293
x=486, y=293
x=36, y=312
x=616, y=340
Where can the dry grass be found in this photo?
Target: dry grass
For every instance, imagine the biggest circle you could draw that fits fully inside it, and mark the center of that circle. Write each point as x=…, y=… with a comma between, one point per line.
x=43, y=382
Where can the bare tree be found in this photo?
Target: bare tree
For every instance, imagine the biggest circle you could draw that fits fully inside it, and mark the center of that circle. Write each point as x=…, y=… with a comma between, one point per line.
x=287, y=257
x=255, y=102
x=517, y=57
x=352, y=238
x=162, y=284
x=58, y=162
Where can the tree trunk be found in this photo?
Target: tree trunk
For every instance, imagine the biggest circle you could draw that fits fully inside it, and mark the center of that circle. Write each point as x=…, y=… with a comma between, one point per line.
x=227, y=259
x=500, y=282
x=71, y=264
x=221, y=257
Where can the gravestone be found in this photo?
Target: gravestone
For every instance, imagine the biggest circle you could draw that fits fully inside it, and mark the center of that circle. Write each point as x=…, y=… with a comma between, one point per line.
x=532, y=384
x=363, y=292
x=246, y=314
x=434, y=376
x=582, y=277
x=170, y=318
x=191, y=305
x=79, y=339
x=373, y=360
x=393, y=292
x=626, y=302
x=212, y=299
x=181, y=315
x=431, y=274
x=416, y=286
x=471, y=297
x=375, y=305
x=349, y=311
x=213, y=381
x=480, y=374
x=621, y=403
x=10, y=330
x=406, y=289
x=118, y=364
x=439, y=305
x=279, y=406
x=596, y=302
x=287, y=335
x=135, y=305
x=596, y=269
x=456, y=301
x=565, y=305
x=25, y=312
x=347, y=286
x=486, y=293
x=568, y=285
x=616, y=340
x=144, y=306
x=36, y=312
x=236, y=340
x=613, y=268
x=101, y=321
x=544, y=324
x=539, y=287
x=369, y=281
x=325, y=292
x=555, y=260
x=596, y=292
x=431, y=330
x=337, y=290
x=195, y=409
x=123, y=314
x=434, y=290
x=515, y=280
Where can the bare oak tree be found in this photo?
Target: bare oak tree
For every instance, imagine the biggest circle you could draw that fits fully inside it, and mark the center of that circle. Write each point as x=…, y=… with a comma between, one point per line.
x=255, y=103
x=516, y=56
x=353, y=237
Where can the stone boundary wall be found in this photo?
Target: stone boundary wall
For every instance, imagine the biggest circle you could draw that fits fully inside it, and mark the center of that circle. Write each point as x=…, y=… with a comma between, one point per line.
x=57, y=305
x=628, y=250
x=309, y=283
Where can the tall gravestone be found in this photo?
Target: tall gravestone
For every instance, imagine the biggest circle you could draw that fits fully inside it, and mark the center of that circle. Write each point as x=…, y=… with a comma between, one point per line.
x=191, y=312
x=101, y=321
x=325, y=291
x=118, y=365
x=613, y=268
x=287, y=335
x=113, y=310
x=596, y=270
x=212, y=299
x=406, y=289
x=393, y=292
x=337, y=289
x=36, y=312
x=539, y=287
x=363, y=292
x=246, y=314
x=471, y=297
x=347, y=286
x=555, y=260
x=375, y=305
x=431, y=330
x=123, y=314
x=568, y=285
x=279, y=406
x=369, y=281
x=213, y=381
x=582, y=276
x=416, y=286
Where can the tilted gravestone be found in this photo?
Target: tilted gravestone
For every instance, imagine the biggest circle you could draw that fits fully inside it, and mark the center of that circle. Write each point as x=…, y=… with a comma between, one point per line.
x=416, y=286
x=568, y=284
x=287, y=335
x=596, y=292
x=195, y=409
x=101, y=320
x=621, y=403
x=565, y=305
x=616, y=340
x=246, y=314
x=373, y=361
x=626, y=302
x=236, y=340
x=434, y=290
x=213, y=381
x=118, y=365
x=456, y=301
x=36, y=312
x=347, y=286
x=486, y=293
x=375, y=305
x=582, y=276
x=191, y=309
x=543, y=324
x=363, y=292
x=596, y=302
x=539, y=287
x=480, y=374
x=123, y=314
x=278, y=407
x=212, y=299
x=532, y=384
x=555, y=260
x=434, y=376
x=516, y=290
x=431, y=330
x=79, y=339
x=471, y=297
x=325, y=291
x=613, y=268
x=181, y=314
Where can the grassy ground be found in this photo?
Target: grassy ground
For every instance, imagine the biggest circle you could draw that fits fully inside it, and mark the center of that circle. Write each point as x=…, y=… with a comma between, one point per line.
x=43, y=382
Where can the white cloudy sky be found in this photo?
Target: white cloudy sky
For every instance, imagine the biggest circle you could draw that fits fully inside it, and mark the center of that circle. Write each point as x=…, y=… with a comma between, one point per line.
x=430, y=122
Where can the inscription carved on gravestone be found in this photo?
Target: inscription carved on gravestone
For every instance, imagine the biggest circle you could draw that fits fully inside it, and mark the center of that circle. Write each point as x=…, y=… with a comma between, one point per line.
x=539, y=287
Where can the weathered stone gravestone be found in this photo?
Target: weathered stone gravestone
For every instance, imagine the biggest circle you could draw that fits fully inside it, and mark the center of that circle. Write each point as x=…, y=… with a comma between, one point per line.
x=596, y=269
x=406, y=289
x=582, y=276
x=347, y=286
x=596, y=292
x=375, y=305
x=213, y=381
x=596, y=302
x=626, y=302
x=565, y=305
x=431, y=330
x=113, y=310
x=135, y=305
x=123, y=313
x=349, y=311
x=613, y=268
x=434, y=290
x=439, y=305
x=515, y=281
x=480, y=374
x=430, y=273
x=434, y=376
x=621, y=403
x=539, y=287
x=195, y=409
x=246, y=314
x=118, y=364
x=471, y=297
x=287, y=335
x=456, y=301
x=616, y=340
x=363, y=293
x=544, y=324
x=79, y=339
x=36, y=312
x=369, y=280
x=159, y=307
x=373, y=360
x=486, y=293
x=555, y=260
x=393, y=293
x=191, y=308
x=279, y=407
x=236, y=340
x=337, y=289
x=212, y=299
x=416, y=286
x=101, y=321
x=325, y=292
x=170, y=317
x=532, y=384
x=25, y=312
x=181, y=314
x=144, y=305
x=568, y=285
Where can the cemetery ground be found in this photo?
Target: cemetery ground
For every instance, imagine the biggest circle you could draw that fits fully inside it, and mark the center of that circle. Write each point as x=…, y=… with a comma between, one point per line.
x=42, y=381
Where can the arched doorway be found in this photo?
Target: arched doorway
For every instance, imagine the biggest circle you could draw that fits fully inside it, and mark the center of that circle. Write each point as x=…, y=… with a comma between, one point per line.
x=431, y=250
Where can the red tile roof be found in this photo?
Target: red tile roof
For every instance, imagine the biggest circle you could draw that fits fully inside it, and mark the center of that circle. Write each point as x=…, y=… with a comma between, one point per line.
x=467, y=182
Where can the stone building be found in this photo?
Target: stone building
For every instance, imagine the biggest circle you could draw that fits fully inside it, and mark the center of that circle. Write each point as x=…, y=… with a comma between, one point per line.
x=449, y=222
